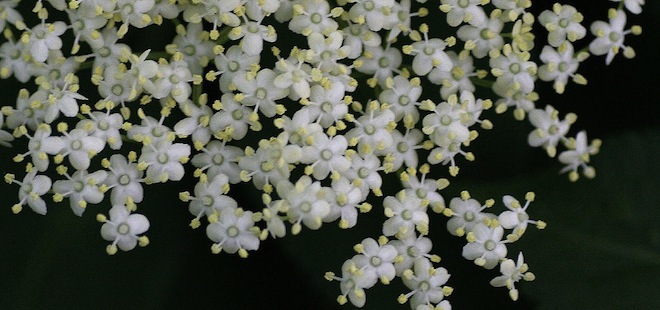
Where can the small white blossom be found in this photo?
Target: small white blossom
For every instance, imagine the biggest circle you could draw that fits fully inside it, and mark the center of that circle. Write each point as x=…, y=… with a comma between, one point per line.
x=123, y=229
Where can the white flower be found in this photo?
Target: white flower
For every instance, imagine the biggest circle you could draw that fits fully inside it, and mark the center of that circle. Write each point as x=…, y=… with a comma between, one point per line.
x=173, y=80
x=549, y=128
x=483, y=36
x=364, y=172
x=232, y=120
x=516, y=216
x=253, y=35
x=196, y=123
x=269, y=164
x=105, y=126
x=123, y=229
x=210, y=198
x=610, y=36
x=406, y=214
x=233, y=62
x=459, y=11
x=164, y=161
x=193, y=43
x=326, y=106
x=357, y=36
x=327, y=50
x=295, y=74
x=233, y=232
x=429, y=54
x=32, y=188
x=466, y=213
x=326, y=155
x=374, y=13
x=512, y=272
x=347, y=200
x=562, y=23
x=306, y=201
x=402, y=97
x=377, y=257
x=261, y=91
x=559, y=65
x=426, y=284
x=513, y=70
x=382, y=63
x=633, y=6
x=80, y=147
x=312, y=16
x=81, y=188
x=578, y=156
x=40, y=145
x=124, y=179
x=404, y=149
x=485, y=245
x=458, y=78
x=43, y=38
x=372, y=132
x=218, y=158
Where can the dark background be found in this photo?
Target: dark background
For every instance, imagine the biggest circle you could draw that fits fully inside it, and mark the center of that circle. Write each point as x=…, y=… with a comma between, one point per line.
x=601, y=249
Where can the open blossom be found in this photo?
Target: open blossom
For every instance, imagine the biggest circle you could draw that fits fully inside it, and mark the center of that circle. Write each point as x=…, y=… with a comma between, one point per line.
x=313, y=107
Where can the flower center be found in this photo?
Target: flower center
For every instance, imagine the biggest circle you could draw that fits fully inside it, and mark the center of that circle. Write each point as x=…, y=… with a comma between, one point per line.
x=487, y=34
x=76, y=145
x=103, y=125
x=306, y=207
x=614, y=37
x=383, y=62
x=260, y=94
x=490, y=245
x=218, y=159
x=363, y=172
x=104, y=52
x=316, y=18
x=189, y=50
x=163, y=158
x=233, y=66
x=404, y=100
x=424, y=286
x=124, y=179
x=514, y=68
x=468, y=216
x=117, y=90
x=369, y=129
x=326, y=154
x=445, y=120
x=376, y=261
x=207, y=201
x=402, y=147
x=237, y=114
x=563, y=22
x=406, y=215
x=232, y=231
x=326, y=107
x=123, y=229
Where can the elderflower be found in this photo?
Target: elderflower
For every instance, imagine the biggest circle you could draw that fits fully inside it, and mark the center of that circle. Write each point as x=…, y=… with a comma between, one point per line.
x=317, y=105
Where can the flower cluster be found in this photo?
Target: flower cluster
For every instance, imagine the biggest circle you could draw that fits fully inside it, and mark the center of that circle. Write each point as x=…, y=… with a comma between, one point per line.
x=339, y=94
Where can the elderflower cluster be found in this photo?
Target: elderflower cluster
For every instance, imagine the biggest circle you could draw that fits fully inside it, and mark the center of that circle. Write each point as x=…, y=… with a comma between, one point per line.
x=338, y=93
